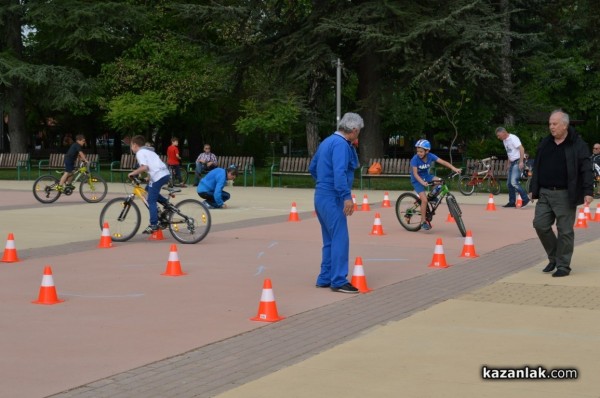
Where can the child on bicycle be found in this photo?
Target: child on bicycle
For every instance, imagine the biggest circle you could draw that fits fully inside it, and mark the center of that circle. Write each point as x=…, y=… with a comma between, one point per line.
x=158, y=174
x=420, y=176
x=75, y=152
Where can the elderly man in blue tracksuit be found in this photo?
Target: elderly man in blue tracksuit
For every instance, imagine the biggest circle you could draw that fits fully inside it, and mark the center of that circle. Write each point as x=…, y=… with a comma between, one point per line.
x=333, y=167
x=211, y=187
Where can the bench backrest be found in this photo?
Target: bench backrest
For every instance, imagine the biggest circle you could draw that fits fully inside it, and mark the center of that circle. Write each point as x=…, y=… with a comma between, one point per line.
x=128, y=161
x=14, y=159
x=243, y=163
x=294, y=165
x=392, y=166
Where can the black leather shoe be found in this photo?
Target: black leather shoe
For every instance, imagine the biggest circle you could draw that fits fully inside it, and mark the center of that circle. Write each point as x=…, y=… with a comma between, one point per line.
x=549, y=268
x=560, y=272
x=510, y=205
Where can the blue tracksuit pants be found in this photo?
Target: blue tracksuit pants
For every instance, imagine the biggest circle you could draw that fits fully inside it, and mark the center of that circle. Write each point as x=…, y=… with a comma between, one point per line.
x=336, y=241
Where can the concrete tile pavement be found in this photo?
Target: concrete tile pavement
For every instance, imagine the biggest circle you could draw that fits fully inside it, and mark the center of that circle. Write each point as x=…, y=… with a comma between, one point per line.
x=419, y=319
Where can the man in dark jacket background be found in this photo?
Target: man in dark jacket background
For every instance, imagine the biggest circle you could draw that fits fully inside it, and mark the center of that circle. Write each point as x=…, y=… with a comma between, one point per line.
x=562, y=180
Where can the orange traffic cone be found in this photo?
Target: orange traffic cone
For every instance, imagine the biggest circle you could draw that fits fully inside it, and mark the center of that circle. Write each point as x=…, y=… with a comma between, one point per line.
x=294, y=213
x=10, y=251
x=491, y=206
x=267, y=309
x=365, y=204
x=377, y=228
x=469, y=248
x=450, y=218
x=587, y=213
x=597, y=214
x=581, y=220
x=439, y=258
x=173, y=265
x=48, y=294
x=359, y=280
x=519, y=203
x=105, y=239
x=354, y=202
x=157, y=235
x=386, y=200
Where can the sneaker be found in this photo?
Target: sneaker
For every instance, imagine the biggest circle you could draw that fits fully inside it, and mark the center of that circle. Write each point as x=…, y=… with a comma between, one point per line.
x=208, y=205
x=426, y=225
x=150, y=229
x=525, y=203
x=347, y=288
x=60, y=188
x=322, y=286
x=510, y=205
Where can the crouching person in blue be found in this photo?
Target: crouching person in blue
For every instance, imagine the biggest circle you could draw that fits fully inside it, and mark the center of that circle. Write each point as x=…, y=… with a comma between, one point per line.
x=333, y=167
x=211, y=187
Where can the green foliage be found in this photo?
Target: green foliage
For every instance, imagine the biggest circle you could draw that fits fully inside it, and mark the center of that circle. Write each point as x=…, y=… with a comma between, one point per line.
x=270, y=117
x=137, y=113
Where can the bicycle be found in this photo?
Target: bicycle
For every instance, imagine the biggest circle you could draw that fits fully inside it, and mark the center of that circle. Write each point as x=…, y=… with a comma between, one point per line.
x=92, y=187
x=408, y=208
x=484, y=178
x=174, y=181
x=596, y=181
x=188, y=221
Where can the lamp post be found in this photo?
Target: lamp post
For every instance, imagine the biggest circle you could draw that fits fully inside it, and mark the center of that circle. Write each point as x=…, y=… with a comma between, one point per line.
x=338, y=93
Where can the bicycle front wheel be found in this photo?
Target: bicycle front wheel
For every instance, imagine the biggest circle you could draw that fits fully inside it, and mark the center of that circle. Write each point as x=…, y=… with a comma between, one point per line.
x=94, y=189
x=456, y=213
x=493, y=186
x=465, y=186
x=123, y=218
x=190, y=223
x=44, y=189
x=408, y=211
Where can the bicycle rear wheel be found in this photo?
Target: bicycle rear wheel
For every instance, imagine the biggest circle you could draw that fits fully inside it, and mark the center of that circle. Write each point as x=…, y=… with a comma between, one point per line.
x=465, y=186
x=493, y=186
x=191, y=221
x=456, y=213
x=408, y=211
x=44, y=189
x=123, y=218
x=93, y=189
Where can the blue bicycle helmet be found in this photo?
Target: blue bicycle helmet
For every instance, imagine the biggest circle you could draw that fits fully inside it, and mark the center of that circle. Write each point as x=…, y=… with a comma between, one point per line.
x=423, y=144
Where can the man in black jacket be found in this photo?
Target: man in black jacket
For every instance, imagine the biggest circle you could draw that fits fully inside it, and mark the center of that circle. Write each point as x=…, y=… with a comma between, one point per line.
x=562, y=180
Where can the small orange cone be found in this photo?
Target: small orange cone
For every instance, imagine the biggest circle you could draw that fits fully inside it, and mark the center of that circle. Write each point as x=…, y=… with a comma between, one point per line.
x=439, y=258
x=519, y=203
x=587, y=213
x=377, y=228
x=581, y=220
x=105, y=239
x=365, y=204
x=294, y=213
x=359, y=280
x=450, y=218
x=597, y=214
x=10, y=251
x=267, y=309
x=354, y=201
x=469, y=248
x=48, y=294
x=157, y=235
x=386, y=200
x=173, y=265
x=491, y=206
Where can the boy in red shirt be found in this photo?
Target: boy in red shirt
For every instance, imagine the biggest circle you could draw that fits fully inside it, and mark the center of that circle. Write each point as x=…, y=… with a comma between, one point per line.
x=174, y=160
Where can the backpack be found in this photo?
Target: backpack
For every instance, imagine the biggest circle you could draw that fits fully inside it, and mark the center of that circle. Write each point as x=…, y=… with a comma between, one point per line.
x=375, y=168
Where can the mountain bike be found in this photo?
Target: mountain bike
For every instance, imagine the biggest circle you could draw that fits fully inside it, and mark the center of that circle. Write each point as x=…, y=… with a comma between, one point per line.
x=188, y=221
x=408, y=208
x=92, y=187
x=479, y=179
x=174, y=181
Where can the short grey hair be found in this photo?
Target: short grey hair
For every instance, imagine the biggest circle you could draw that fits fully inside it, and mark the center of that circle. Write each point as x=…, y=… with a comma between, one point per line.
x=565, y=116
x=500, y=130
x=351, y=121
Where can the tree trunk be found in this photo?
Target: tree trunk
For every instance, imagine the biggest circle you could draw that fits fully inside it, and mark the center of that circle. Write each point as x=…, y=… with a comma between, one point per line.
x=312, y=126
x=15, y=94
x=370, y=141
x=505, y=63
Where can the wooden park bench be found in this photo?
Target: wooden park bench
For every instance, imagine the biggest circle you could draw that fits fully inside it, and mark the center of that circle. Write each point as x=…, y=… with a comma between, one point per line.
x=127, y=164
x=390, y=168
x=498, y=167
x=17, y=161
x=56, y=161
x=290, y=167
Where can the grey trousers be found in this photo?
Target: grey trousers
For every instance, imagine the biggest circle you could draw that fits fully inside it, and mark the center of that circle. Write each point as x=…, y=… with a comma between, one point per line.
x=554, y=206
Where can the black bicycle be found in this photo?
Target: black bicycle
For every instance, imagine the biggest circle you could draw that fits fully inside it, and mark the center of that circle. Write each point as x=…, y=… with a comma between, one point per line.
x=188, y=221
x=408, y=208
